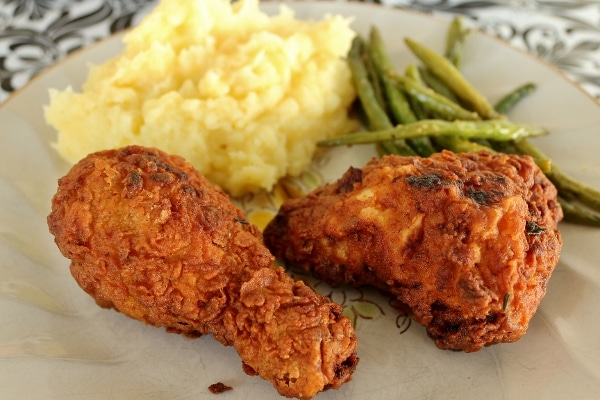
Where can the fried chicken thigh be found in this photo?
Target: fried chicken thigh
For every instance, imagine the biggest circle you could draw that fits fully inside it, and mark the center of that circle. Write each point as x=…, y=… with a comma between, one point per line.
x=149, y=236
x=467, y=241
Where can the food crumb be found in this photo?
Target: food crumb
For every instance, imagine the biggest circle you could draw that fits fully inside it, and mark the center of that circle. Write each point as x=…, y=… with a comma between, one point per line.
x=219, y=387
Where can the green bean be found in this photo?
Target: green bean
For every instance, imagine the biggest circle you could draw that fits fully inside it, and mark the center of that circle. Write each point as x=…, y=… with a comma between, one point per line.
x=456, y=144
x=460, y=145
x=422, y=145
x=455, y=41
x=490, y=129
x=398, y=103
x=507, y=147
x=437, y=85
x=508, y=102
x=566, y=186
x=375, y=77
x=525, y=147
x=434, y=101
x=578, y=215
x=451, y=76
x=574, y=189
x=413, y=72
x=376, y=116
x=503, y=106
x=483, y=142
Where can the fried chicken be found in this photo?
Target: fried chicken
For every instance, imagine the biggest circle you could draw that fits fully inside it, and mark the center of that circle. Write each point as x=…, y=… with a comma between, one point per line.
x=467, y=241
x=149, y=236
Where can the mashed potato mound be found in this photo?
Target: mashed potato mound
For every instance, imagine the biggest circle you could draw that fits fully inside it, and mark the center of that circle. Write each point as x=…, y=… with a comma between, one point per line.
x=241, y=95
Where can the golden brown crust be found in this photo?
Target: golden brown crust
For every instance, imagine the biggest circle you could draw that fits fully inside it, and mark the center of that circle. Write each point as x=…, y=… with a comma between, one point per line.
x=149, y=236
x=452, y=236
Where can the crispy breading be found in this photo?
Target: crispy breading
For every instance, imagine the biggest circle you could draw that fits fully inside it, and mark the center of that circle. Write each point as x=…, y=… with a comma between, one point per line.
x=148, y=235
x=467, y=241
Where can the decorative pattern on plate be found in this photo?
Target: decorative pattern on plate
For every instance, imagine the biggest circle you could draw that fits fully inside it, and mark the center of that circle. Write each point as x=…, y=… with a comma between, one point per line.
x=262, y=206
x=359, y=304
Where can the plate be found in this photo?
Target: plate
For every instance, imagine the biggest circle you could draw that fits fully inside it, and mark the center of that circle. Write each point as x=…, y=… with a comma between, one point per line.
x=55, y=343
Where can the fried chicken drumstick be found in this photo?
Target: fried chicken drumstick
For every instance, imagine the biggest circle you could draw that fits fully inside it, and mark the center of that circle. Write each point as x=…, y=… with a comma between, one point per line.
x=149, y=236
x=467, y=241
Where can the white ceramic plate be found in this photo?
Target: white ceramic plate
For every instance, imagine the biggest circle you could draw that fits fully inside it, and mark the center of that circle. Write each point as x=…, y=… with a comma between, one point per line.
x=55, y=343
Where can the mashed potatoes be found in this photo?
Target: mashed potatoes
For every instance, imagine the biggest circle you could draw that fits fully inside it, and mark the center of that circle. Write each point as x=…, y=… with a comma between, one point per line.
x=241, y=95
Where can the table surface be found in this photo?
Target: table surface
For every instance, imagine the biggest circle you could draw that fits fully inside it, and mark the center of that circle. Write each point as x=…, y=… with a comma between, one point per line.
x=35, y=34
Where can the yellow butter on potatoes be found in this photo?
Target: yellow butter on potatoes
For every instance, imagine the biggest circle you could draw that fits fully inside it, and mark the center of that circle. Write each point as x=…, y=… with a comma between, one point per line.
x=241, y=95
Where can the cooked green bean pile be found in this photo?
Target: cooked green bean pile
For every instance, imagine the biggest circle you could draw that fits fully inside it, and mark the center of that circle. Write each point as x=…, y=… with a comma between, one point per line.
x=433, y=107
